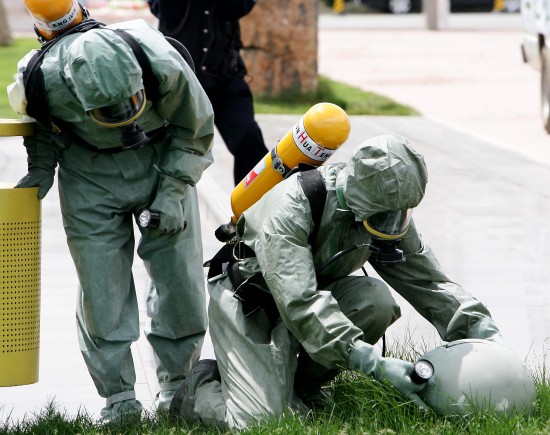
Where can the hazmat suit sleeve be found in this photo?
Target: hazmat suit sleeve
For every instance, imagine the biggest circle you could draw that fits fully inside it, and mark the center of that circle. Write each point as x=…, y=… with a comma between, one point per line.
x=42, y=158
x=421, y=281
x=42, y=154
x=278, y=232
x=185, y=105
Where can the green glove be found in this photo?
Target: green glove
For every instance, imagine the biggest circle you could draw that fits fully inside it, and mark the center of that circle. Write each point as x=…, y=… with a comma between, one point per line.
x=397, y=372
x=169, y=203
x=38, y=177
x=42, y=160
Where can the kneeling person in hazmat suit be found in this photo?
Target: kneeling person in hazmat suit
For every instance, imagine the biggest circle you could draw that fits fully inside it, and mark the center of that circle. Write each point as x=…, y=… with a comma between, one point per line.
x=309, y=305
x=124, y=116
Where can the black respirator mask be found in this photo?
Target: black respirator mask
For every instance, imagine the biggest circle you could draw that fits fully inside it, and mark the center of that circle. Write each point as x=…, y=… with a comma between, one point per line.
x=387, y=229
x=123, y=116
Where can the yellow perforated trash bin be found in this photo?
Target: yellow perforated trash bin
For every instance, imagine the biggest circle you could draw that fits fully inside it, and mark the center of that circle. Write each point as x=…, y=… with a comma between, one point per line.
x=20, y=228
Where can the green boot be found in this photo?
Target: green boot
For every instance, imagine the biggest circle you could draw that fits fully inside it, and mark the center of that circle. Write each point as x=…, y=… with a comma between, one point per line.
x=120, y=410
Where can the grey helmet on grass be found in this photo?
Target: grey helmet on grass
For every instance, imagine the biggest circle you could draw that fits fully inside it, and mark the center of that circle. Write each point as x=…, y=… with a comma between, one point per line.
x=477, y=375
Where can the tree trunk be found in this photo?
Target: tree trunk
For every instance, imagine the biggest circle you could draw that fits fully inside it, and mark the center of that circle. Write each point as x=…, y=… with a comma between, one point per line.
x=5, y=32
x=280, y=46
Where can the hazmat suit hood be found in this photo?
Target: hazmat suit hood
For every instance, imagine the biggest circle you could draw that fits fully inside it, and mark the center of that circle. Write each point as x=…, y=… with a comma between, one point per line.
x=103, y=69
x=383, y=173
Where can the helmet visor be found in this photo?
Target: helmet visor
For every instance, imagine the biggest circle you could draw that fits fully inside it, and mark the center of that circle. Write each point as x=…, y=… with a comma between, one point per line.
x=389, y=225
x=120, y=114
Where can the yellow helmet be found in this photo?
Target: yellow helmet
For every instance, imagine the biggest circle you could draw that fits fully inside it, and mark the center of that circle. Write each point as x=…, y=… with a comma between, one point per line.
x=52, y=17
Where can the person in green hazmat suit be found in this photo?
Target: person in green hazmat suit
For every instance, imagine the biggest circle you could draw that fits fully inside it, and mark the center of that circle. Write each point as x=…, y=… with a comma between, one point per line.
x=120, y=152
x=323, y=319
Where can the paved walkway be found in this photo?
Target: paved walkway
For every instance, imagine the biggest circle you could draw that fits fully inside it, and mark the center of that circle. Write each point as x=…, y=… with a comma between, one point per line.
x=484, y=212
x=470, y=76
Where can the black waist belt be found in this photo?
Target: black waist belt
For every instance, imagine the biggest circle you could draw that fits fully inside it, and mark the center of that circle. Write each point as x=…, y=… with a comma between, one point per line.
x=154, y=136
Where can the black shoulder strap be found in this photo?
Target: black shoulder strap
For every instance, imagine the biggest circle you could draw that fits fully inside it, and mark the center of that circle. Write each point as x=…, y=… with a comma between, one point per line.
x=35, y=91
x=150, y=81
x=313, y=184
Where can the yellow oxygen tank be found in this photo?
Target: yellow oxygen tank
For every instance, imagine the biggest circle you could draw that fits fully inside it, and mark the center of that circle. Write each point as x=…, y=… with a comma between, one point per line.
x=312, y=140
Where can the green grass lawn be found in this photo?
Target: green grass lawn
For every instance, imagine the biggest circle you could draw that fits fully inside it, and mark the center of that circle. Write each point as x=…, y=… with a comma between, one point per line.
x=361, y=406
x=353, y=100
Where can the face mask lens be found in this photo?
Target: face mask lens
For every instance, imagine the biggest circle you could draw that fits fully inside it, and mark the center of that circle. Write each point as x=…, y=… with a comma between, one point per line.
x=389, y=225
x=120, y=114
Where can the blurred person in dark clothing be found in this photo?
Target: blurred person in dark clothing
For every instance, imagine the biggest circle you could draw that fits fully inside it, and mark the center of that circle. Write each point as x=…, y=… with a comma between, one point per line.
x=210, y=30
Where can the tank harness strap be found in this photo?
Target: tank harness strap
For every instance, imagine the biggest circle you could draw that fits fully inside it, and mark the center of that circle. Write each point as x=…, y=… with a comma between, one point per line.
x=314, y=188
x=248, y=291
x=150, y=81
x=217, y=264
x=252, y=294
x=278, y=164
x=230, y=253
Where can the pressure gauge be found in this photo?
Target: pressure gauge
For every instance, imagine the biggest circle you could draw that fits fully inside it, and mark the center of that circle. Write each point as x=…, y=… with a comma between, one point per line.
x=422, y=372
x=149, y=218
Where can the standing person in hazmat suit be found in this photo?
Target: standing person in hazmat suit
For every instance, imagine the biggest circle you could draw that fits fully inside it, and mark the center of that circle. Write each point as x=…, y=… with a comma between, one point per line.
x=125, y=118
x=317, y=310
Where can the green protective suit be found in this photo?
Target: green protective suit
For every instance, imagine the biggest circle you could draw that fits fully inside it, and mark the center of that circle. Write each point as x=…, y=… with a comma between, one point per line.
x=324, y=314
x=101, y=193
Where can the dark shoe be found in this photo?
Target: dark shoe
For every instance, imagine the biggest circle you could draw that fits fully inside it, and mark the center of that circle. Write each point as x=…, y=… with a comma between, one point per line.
x=177, y=400
x=315, y=397
x=183, y=402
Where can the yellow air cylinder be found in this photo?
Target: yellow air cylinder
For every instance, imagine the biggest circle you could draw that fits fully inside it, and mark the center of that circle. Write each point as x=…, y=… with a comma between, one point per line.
x=20, y=275
x=312, y=140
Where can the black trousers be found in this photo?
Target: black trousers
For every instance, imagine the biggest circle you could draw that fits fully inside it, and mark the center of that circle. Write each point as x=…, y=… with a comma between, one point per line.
x=234, y=118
